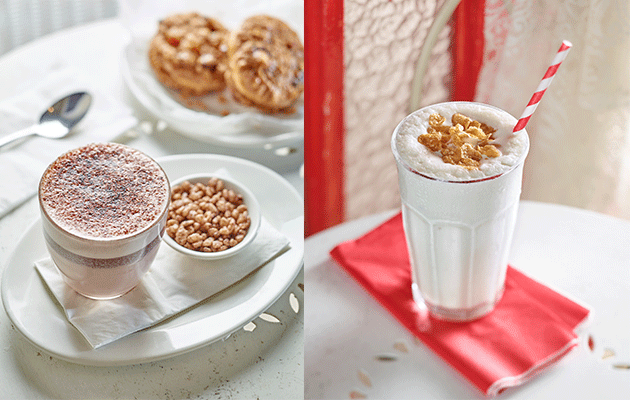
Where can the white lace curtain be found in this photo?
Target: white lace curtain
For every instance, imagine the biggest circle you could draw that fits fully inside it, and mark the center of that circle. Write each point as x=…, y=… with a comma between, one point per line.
x=382, y=42
x=580, y=133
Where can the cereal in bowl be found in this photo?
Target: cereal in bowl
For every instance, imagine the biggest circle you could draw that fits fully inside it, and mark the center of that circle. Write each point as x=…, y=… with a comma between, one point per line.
x=207, y=217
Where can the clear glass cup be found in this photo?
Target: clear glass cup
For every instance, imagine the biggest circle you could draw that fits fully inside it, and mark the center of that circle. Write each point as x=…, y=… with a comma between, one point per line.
x=105, y=267
x=458, y=234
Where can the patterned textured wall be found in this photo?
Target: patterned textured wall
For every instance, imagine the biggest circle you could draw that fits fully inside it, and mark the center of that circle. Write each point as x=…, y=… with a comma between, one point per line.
x=383, y=40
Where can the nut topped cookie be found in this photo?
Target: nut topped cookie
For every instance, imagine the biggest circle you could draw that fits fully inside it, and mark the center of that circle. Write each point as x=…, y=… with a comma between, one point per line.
x=266, y=64
x=265, y=28
x=189, y=53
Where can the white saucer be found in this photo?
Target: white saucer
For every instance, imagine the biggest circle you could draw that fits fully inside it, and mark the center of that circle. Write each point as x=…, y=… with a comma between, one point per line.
x=33, y=311
x=244, y=127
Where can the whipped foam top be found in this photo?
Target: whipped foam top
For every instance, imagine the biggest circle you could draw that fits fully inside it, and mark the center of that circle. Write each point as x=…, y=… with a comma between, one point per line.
x=417, y=156
x=104, y=190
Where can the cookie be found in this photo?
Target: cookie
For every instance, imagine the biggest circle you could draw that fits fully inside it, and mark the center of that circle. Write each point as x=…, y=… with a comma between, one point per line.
x=265, y=64
x=189, y=54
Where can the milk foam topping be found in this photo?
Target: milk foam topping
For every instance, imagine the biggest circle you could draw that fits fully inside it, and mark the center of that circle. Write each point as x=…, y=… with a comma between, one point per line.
x=418, y=157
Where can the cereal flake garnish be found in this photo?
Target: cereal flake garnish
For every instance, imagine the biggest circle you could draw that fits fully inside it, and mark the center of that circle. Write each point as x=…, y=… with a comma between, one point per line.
x=465, y=142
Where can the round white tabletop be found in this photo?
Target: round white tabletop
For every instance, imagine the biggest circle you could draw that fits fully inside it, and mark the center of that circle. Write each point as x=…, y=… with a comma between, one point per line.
x=580, y=253
x=266, y=362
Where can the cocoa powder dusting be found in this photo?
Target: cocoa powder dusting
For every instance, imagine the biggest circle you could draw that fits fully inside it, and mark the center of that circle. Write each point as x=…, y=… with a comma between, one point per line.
x=104, y=190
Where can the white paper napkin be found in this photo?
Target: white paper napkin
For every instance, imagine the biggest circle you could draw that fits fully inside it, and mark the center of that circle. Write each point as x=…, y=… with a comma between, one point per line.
x=174, y=283
x=23, y=163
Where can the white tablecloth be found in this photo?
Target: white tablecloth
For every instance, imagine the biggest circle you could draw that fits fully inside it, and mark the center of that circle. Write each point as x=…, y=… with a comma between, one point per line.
x=354, y=345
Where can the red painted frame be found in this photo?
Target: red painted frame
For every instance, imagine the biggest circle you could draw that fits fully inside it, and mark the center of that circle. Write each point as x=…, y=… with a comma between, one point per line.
x=324, y=123
x=324, y=199
x=467, y=48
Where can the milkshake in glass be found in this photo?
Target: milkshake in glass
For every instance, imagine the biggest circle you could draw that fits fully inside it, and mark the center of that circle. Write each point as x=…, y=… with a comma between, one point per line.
x=460, y=183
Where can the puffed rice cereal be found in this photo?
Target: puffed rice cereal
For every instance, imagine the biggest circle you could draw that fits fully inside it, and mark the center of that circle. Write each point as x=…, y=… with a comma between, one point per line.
x=207, y=217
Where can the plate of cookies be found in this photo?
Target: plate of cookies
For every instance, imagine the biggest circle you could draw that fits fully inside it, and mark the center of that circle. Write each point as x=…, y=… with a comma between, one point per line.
x=232, y=81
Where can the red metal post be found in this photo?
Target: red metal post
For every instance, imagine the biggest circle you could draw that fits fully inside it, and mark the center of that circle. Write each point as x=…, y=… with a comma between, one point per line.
x=324, y=126
x=467, y=48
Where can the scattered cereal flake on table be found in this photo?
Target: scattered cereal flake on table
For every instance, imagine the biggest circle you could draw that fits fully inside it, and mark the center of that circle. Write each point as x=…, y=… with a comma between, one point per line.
x=621, y=366
x=294, y=302
x=591, y=343
x=401, y=346
x=386, y=357
x=364, y=378
x=355, y=394
x=269, y=318
x=608, y=353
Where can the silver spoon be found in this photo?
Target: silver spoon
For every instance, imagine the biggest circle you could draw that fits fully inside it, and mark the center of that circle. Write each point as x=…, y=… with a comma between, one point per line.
x=57, y=121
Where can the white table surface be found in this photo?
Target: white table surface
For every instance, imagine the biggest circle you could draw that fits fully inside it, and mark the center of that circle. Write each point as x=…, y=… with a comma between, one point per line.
x=583, y=254
x=266, y=363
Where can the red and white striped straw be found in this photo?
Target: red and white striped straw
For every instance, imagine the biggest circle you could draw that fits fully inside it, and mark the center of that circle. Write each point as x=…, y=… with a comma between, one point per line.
x=544, y=84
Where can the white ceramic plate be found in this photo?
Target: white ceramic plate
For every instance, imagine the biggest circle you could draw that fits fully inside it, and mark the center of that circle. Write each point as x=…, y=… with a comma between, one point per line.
x=33, y=311
x=244, y=127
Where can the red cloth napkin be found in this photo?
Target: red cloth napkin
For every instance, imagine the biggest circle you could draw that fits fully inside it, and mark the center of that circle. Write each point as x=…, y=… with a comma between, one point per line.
x=530, y=328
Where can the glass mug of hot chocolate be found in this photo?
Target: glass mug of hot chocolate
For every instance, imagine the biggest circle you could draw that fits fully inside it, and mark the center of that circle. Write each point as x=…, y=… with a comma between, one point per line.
x=104, y=209
x=459, y=171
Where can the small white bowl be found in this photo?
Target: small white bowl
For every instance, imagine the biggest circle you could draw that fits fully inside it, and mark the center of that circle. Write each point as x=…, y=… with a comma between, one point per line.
x=253, y=209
